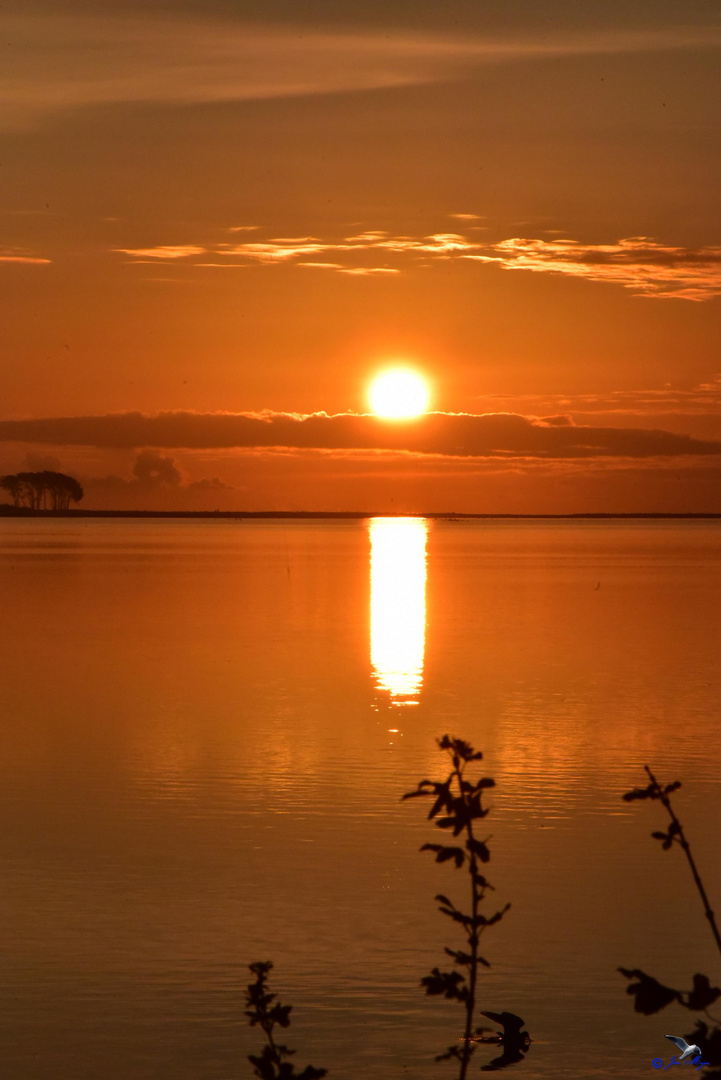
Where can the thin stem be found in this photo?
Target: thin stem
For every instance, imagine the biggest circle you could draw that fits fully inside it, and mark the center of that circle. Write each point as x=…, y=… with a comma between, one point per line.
x=687, y=851
x=472, y=940
x=267, y=1026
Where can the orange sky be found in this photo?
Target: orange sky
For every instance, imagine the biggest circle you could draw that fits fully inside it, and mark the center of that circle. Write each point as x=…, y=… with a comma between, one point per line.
x=211, y=212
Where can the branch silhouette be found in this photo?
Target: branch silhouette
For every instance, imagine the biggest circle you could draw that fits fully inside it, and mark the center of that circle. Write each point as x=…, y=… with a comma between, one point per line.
x=270, y=1063
x=457, y=805
x=675, y=835
x=650, y=996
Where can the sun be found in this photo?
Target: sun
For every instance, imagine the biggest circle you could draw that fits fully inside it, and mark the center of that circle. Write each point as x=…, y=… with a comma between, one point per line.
x=399, y=394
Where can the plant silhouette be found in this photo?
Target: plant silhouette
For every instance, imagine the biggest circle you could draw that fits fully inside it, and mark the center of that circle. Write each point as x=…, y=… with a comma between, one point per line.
x=270, y=1063
x=457, y=806
x=650, y=996
x=459, y=801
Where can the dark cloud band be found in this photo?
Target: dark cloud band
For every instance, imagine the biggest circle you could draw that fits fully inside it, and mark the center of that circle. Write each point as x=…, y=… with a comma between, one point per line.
x=496, y=435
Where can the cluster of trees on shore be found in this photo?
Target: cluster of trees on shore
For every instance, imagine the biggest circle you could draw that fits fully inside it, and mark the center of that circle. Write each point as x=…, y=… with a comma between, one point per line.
x=44, y=490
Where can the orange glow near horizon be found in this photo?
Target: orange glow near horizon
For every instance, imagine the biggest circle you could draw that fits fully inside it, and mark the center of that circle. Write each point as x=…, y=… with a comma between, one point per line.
x=399, y=394
x=398, y=606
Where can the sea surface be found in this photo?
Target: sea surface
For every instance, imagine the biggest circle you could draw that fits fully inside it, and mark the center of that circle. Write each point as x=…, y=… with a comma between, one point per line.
x=206, y=728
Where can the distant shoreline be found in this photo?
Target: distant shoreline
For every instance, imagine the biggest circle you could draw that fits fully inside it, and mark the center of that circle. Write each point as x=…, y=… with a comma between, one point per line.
x=350, y=515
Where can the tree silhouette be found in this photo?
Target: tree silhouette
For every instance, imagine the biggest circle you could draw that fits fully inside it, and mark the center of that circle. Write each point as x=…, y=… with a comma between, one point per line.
x=46, y=490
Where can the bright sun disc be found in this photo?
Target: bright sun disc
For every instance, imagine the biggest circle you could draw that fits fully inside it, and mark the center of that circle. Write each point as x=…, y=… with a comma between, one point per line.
x=399, y=394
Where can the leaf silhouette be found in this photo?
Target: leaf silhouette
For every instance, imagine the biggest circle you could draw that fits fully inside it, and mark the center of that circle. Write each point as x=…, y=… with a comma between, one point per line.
x=650, y=995
x=446, y=853
x=477, y=847
x=702, y=995
x=449, y=984
x=463, y=959
x=425, y=787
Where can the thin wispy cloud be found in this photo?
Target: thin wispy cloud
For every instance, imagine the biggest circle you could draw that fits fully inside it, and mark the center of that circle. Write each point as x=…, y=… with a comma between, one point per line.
x=360, y=271
x=285, y=249
x=177, y=251
x=440, y=244
x=490, y=435
x=322, y=265
x=640, y=264
x=704, y=399
x=54, y=63
x=367, y=237
x=281, y=250
x=15, y=255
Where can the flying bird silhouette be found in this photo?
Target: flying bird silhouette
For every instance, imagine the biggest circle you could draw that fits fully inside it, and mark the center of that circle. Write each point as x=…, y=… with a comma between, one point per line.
x=684, y=1046
x=510, y=1023
x=514, y=1041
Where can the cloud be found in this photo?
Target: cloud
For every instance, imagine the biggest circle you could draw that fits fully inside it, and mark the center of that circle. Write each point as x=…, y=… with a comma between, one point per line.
x=367, y=237
x=322, y=265
x=156, y=482
x=361, y=270
x=638, y=263
x=208, y=485
x=440, y=244
x=281, y=250
x=152, y=468
x=456, y=435
x=41, y=462
x=177, y=251
x=556, y=421
x=15, y=255
x=54, y=63
x=703, y=399
x=289, y=249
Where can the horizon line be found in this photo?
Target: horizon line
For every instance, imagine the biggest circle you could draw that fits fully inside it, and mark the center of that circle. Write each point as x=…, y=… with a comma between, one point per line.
x=6, y=510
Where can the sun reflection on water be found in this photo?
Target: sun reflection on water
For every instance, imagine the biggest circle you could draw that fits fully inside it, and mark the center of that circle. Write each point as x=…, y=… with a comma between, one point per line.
x=398, y=606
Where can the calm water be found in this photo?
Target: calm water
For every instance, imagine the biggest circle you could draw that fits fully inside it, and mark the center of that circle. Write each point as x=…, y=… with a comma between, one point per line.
x=206, y=731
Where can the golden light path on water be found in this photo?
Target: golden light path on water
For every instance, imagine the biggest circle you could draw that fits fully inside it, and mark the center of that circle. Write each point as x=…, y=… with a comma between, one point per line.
x=398, y=606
